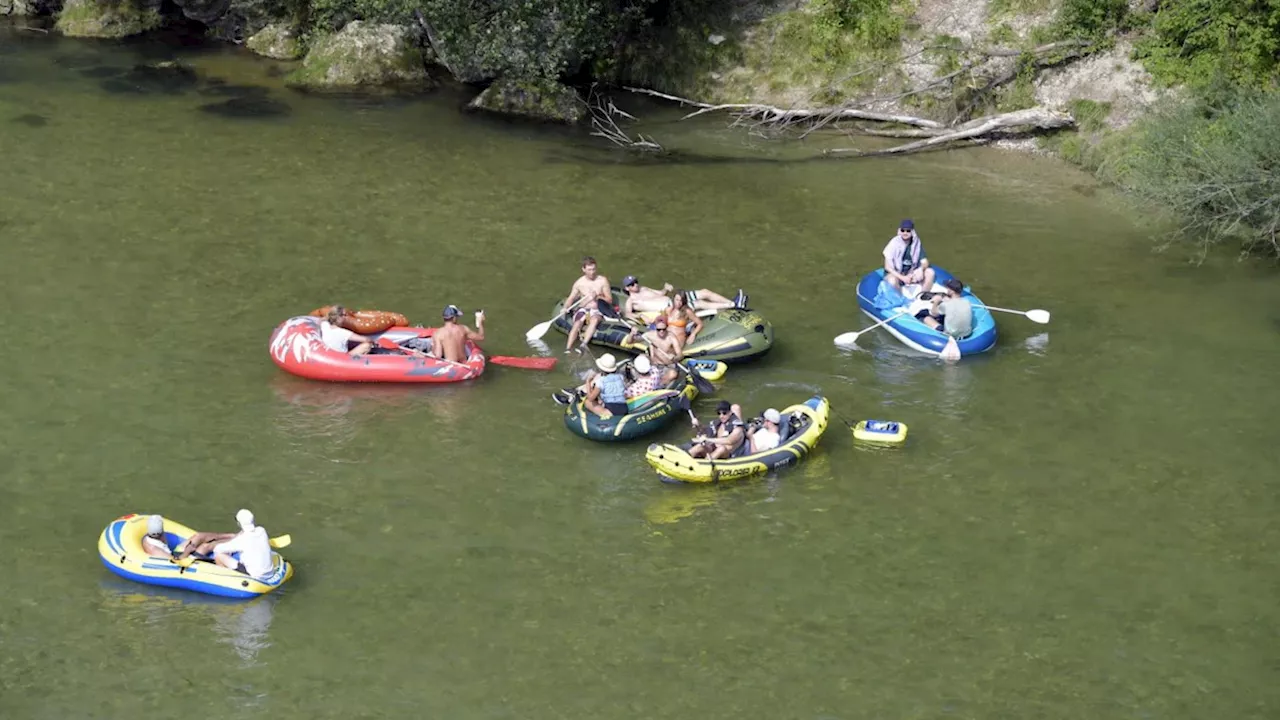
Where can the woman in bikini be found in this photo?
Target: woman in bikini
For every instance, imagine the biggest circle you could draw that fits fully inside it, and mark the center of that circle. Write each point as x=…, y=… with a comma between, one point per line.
x=684, y=322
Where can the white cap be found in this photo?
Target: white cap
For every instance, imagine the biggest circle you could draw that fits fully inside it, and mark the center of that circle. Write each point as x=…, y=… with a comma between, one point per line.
x=245, y=518
x=642, y=365
x=773, y=416
x=155, y=525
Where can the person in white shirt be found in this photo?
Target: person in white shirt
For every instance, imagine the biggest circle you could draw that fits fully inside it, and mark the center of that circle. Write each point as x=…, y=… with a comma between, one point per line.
x=154, y=543
x=253, y=545
x=766, y=436
x=338, y=338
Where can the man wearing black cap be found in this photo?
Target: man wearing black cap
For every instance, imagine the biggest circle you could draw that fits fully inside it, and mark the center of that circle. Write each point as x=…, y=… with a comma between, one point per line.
x=904, y=259
x=646, y=299
x=727, y=434
x=449, y=341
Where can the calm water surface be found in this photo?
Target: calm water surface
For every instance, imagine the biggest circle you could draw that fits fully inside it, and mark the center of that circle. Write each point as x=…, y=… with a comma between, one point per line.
x=1082, y=525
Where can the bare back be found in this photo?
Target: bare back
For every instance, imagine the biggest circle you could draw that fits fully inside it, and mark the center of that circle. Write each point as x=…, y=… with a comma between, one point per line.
x=450, y=342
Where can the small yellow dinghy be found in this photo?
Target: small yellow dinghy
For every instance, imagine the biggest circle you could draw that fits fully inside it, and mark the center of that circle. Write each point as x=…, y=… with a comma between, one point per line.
x=120, y=548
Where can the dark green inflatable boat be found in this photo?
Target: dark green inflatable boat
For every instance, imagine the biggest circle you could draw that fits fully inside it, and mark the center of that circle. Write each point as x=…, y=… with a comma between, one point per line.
x=648, y=412
x=729, y=335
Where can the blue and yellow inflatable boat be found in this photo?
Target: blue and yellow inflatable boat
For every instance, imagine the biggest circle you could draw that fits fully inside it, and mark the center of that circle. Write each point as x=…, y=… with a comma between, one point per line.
x=120, y=548
x=914, y=333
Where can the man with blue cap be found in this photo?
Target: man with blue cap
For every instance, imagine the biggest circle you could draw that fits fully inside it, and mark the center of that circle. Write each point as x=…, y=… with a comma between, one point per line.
x=449, y=341
x=646, y=299
x=904, y=259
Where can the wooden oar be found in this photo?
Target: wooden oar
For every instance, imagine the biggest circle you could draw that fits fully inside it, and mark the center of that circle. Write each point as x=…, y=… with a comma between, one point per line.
x=850, y=338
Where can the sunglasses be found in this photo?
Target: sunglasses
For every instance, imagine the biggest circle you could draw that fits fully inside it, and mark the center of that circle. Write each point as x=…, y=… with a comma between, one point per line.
x=723, y=412
x=661, y=328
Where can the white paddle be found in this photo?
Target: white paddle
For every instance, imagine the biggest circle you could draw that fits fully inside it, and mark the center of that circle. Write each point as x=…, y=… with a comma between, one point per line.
x=537, y=331
x=850, y=338
x=1036, y=316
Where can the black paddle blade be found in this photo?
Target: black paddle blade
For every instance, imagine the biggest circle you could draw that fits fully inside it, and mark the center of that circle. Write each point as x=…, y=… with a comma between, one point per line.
x=563, y=397
x=703, y=385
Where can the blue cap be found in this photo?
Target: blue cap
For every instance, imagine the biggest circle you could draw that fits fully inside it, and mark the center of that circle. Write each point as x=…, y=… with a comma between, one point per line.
x=906, y=225
x=629, y=280
x=451, y=311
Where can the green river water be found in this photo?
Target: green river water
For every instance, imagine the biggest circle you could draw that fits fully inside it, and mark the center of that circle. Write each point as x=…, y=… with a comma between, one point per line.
x=1082, y=525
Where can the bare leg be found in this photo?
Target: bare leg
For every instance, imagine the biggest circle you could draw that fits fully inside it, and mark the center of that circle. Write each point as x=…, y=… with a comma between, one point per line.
x=202, y=543
x=362, y=349
x=698, y=450
x=929, y=274
x=708, y=300
x=928, y=320
x=720, y=453
x=591, y=328
x=573, y=333
x=226, y=561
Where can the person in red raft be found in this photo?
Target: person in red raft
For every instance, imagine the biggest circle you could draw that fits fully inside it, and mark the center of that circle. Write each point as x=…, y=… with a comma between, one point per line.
x=449, y=341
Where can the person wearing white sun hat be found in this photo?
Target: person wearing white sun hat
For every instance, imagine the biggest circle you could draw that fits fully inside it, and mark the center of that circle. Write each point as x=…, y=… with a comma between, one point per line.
x=607, y=391
x=253, y=545
x=646, y=381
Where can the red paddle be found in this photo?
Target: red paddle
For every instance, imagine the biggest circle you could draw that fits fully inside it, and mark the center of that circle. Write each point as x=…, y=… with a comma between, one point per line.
x=527, y=363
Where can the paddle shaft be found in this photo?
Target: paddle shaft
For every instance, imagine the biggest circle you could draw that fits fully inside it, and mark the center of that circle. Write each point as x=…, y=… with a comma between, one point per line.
x=853, y=336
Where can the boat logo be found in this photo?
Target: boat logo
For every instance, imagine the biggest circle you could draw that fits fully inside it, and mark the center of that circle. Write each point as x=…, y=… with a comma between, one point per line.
x=297, y=336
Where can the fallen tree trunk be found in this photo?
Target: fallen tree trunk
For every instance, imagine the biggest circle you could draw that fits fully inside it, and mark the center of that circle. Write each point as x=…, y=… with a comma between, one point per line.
x=1037, y=118
x=769, y=113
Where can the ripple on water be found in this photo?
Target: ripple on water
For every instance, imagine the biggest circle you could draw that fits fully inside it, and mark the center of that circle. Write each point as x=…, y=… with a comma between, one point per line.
x=101, y=71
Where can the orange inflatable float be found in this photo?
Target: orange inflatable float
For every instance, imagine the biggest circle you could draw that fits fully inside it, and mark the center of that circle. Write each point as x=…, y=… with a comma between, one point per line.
x=366, y=322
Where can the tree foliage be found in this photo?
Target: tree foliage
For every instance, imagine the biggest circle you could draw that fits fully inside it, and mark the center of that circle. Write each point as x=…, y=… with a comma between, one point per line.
x=1217, y=168
x=1202, y=42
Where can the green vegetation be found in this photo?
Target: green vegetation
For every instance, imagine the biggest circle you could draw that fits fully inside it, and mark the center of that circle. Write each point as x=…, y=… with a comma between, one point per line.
x=1204, y=43
x=1218, y=169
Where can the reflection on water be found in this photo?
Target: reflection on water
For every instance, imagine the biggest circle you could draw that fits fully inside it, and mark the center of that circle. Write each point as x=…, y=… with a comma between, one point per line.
x=239, y=624
x=310, y=410
x=1037, y=344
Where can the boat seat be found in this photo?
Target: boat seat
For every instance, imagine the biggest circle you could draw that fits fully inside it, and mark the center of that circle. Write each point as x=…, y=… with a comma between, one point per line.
x=784, y=428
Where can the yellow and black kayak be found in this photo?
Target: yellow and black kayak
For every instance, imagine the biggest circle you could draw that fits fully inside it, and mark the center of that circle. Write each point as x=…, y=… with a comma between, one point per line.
x=731, y=335
x=801, y=428
x=648, y=412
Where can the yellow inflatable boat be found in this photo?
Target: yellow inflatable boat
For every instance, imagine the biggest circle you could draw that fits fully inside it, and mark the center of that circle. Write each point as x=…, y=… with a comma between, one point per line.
x=802, y=426
x=120, y=548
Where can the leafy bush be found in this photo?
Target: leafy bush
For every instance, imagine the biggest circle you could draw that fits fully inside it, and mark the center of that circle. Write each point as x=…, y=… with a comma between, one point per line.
x=1090, y=19
x=1217, y=168
x=873, y=22
x=1200, y=42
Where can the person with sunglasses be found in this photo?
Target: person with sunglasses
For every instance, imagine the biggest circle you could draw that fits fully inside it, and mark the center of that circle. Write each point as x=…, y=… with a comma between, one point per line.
x=646, y=299
x=664, y=350
x=904, y=260
x=728, y=434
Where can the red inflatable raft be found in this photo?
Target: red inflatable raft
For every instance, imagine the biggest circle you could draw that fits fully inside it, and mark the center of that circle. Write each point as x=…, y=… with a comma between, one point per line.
x=297, y=348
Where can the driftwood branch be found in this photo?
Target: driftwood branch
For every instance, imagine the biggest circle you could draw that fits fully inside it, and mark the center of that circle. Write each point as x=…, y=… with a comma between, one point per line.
x=1037, y=118
x=604, y=124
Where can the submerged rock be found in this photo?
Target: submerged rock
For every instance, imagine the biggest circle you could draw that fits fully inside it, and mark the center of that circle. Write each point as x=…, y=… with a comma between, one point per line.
x=277, y=41
x=32, y=120
x=224, y=89
x=167, y=78
x=248, y=107
x=541, y=101
x=363, y=55
x=108, y=18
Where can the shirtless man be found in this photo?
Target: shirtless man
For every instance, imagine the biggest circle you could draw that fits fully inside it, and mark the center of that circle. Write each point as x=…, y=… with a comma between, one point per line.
x=664, y=350
x=449, y=341
x=646, y=299
x=589, y=300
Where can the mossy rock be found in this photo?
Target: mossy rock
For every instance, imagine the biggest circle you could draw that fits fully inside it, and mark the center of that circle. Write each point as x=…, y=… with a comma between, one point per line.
x=276, y=41
x=107, y=18
x=537, y=100
x=363, y=55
